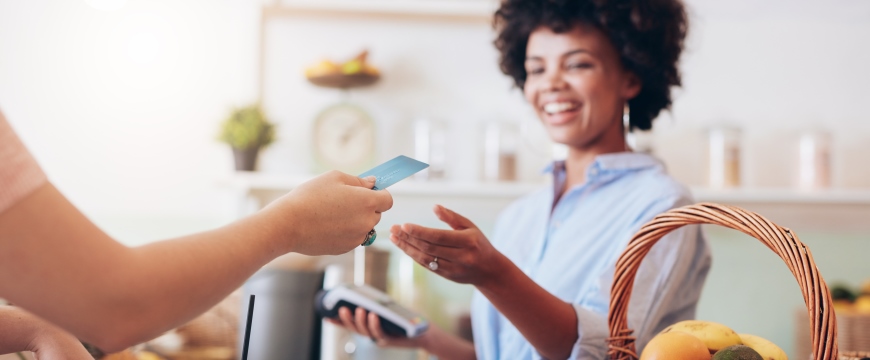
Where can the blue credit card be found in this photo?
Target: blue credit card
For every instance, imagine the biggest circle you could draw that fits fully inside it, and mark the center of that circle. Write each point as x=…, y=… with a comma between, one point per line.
x=394, y=171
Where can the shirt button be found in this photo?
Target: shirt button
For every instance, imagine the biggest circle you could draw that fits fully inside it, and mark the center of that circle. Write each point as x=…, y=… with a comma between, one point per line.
x=557, y=224
x=593, y=171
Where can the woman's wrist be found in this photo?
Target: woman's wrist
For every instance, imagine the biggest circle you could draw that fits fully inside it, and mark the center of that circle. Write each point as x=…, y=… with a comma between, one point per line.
x=495, y=273
x=279, y=229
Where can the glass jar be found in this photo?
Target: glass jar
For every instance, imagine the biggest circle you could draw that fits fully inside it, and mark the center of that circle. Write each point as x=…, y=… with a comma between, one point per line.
x=814, y=160
x=500, y=148
x=724, y=157
x=430, y=146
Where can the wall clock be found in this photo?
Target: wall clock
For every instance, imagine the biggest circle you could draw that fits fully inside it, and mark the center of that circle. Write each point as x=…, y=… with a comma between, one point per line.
x=344, y=139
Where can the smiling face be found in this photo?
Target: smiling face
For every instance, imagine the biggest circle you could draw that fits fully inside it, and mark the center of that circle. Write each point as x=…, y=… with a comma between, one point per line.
x=577, y=86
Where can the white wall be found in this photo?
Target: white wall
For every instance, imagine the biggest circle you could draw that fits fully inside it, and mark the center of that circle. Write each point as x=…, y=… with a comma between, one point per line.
x=121, y=108
x=774, y=68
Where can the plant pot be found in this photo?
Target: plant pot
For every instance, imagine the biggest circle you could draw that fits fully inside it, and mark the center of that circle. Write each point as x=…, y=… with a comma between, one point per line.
x=246, y=159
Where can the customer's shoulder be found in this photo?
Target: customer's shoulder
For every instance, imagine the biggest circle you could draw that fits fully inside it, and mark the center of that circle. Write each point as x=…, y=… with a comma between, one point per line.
x=655, y=184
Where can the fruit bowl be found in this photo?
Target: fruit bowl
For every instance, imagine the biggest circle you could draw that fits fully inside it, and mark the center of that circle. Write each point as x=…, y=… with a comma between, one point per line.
x=356, y=72
x=344, y=81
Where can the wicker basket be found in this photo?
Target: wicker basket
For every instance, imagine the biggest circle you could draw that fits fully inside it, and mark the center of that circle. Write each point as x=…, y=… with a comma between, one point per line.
x=823, y=323
x=853, y=333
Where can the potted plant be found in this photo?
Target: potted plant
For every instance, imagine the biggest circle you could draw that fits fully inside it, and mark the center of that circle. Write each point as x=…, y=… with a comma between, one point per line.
x=247, y=131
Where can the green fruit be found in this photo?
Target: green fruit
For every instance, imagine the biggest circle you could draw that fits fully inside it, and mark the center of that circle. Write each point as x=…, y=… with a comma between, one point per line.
x=842, y=292
x=737, y=352
x=352, y=67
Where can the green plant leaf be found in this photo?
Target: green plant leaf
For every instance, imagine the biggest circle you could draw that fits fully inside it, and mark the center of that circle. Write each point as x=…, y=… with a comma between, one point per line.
x=247, y=128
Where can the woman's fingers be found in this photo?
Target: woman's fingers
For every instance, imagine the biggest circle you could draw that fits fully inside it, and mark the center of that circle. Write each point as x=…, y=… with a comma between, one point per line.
x=361, y=322
x=437, y=236
x=346, y=318
x=419, y=256
x=433, y=250
x=375, y=328
x=354, y=321
x=450, y=217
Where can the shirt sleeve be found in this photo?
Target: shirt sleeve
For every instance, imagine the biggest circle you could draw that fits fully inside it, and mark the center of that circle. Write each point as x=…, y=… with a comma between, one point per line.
x=20, y=175
x=666, y=290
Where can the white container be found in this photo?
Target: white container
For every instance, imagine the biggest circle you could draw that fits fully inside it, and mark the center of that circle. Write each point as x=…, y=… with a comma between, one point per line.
x=814, y=164
x=430, y=146
x=500, y=151
x=724, y=157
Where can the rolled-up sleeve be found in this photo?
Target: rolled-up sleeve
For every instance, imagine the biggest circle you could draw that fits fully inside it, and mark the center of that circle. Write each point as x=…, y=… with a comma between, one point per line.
x=666, y=289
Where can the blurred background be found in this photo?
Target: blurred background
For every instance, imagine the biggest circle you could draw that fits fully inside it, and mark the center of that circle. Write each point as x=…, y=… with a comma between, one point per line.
x=122, y=103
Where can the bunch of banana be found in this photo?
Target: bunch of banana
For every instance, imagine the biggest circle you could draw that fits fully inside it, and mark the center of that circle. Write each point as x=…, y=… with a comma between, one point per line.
x=355, y=66
x=714, y=335
x=720, y=341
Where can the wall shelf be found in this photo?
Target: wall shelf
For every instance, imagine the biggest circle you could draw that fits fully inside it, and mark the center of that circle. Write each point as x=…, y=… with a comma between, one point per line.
x=435, y=9
x=252, y=181
x=825, y=210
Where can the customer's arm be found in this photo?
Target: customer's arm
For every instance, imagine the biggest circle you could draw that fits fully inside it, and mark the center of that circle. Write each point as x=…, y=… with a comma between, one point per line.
x=666, y=291
x=22, y=331
x=57, y=264
x=466, y=256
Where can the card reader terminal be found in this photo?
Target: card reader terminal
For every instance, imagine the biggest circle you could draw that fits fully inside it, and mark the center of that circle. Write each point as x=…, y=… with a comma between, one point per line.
x=395, y=320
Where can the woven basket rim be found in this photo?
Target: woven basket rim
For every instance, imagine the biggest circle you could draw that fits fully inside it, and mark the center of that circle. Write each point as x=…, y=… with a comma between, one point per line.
x=782, y=241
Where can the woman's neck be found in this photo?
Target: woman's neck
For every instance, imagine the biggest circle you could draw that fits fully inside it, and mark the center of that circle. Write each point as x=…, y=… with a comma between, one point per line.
x=580, y=158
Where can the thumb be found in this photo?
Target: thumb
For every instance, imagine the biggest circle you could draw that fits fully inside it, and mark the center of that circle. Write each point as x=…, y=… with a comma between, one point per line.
x=456, y=221
x=367, y=182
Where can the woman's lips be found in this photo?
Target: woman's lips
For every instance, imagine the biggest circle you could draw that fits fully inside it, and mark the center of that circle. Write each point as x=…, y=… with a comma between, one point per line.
x=560, y=113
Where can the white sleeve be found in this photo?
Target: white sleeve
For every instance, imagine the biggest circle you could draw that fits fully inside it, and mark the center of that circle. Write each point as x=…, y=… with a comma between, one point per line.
x=666, y=290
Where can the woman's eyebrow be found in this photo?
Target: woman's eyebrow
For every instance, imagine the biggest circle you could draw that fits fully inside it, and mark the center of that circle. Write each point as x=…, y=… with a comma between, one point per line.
x=577, y=51
x=564, y=55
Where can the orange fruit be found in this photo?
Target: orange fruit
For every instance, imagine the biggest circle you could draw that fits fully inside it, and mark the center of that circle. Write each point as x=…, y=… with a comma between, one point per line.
x=675, y=345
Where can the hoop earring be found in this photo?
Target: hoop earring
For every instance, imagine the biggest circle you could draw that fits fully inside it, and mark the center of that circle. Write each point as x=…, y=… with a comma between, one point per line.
x=630, y=139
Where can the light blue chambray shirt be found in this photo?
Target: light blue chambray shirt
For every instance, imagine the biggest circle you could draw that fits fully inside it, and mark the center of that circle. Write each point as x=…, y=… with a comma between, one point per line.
x=571, y=251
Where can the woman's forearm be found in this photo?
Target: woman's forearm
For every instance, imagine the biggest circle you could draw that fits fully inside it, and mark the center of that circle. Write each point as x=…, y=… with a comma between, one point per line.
x=547, y=322
x=113, y=296
x=447, y=346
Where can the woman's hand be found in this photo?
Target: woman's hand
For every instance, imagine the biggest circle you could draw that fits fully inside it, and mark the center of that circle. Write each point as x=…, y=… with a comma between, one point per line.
x=435, y=340
x=464, y=255
x=23, y=331
x=330, y=214
x=369, y=325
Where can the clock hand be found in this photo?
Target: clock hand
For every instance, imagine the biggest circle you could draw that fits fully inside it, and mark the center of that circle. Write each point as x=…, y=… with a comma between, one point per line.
x=349, y=133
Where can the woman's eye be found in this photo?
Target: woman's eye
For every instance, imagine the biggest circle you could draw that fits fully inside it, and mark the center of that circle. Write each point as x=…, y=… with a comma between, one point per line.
x=535, y=71
x=579, y=65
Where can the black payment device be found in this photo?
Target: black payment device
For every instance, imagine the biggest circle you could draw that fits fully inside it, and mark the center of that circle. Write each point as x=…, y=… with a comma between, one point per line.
x=396, y=320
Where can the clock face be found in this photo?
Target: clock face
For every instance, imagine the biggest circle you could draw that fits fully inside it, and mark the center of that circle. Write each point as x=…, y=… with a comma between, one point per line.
x=344, y=139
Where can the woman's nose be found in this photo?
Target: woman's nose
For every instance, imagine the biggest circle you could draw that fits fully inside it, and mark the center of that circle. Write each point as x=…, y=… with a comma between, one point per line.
x=553, y=81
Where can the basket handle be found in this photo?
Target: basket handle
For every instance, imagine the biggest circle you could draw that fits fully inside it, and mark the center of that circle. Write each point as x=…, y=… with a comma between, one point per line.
x=780, y=240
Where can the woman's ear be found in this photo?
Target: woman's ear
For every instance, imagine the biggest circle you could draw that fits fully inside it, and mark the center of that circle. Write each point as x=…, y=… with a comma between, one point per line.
x=631, y=86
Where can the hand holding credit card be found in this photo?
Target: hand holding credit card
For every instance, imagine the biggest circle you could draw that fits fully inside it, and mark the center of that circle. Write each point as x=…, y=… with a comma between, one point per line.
x=389, y=173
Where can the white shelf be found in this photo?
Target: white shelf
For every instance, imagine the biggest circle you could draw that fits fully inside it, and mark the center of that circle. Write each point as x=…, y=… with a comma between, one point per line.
x=471, y=9
x=835, y=209
x=253, y=181
x=783, y=196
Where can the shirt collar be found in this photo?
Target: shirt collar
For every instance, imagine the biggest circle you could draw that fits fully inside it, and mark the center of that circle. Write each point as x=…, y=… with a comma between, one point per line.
x=611, y=162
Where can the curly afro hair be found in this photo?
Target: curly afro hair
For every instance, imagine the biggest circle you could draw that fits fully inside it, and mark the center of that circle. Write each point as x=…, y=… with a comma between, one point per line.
x=647, y=34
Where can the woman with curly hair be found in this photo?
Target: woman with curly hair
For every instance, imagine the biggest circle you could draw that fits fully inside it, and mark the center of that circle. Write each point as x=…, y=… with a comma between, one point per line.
x=592, y=70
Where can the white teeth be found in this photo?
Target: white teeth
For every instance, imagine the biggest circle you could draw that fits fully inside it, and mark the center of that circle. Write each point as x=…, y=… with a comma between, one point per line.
x=557, y=107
